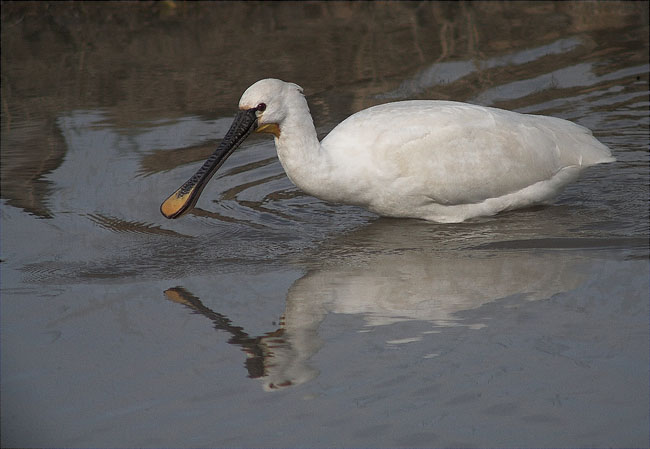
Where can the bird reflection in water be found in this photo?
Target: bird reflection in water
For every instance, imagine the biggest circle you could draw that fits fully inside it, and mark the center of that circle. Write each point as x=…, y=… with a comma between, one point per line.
x=268, y=356
x=440, y=289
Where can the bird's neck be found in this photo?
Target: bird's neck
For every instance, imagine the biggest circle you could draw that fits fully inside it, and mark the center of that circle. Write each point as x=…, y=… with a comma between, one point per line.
x=300, y=152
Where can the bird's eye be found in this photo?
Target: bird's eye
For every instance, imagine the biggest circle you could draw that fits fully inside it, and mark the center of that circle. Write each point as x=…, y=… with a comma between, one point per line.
x=261, y=107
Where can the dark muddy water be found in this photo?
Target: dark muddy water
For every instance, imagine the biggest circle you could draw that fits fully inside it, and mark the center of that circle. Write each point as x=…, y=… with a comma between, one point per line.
x=268, y=318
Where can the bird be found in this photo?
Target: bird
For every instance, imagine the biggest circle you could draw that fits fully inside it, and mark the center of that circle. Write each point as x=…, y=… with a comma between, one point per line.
x=436, y=160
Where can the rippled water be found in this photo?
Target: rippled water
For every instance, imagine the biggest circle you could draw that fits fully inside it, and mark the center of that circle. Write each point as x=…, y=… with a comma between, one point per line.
x=266, y=317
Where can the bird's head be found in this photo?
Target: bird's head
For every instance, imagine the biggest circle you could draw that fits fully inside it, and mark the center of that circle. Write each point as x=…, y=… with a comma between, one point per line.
x=271, y=99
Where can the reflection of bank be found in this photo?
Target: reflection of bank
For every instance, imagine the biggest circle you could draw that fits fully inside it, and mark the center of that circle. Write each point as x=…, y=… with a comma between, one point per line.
x=392, y=288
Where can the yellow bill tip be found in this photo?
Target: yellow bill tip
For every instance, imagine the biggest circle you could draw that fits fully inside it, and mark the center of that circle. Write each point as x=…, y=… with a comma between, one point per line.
x=173, y=207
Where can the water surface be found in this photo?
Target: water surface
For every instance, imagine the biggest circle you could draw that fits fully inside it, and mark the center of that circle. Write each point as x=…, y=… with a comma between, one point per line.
x=269, y=318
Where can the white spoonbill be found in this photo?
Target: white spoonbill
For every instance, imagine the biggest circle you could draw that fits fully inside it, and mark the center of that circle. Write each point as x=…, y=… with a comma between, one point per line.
x=441, y=161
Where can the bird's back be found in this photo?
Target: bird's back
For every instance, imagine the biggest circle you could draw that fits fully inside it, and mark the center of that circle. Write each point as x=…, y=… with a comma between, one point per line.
x=458, y=153
x=405, y=154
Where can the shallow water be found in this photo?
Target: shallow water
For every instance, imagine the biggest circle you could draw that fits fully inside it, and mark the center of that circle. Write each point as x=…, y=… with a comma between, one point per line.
x=268, y=318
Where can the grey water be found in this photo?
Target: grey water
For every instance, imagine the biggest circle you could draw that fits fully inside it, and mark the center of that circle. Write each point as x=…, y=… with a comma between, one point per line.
x=269, y=318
